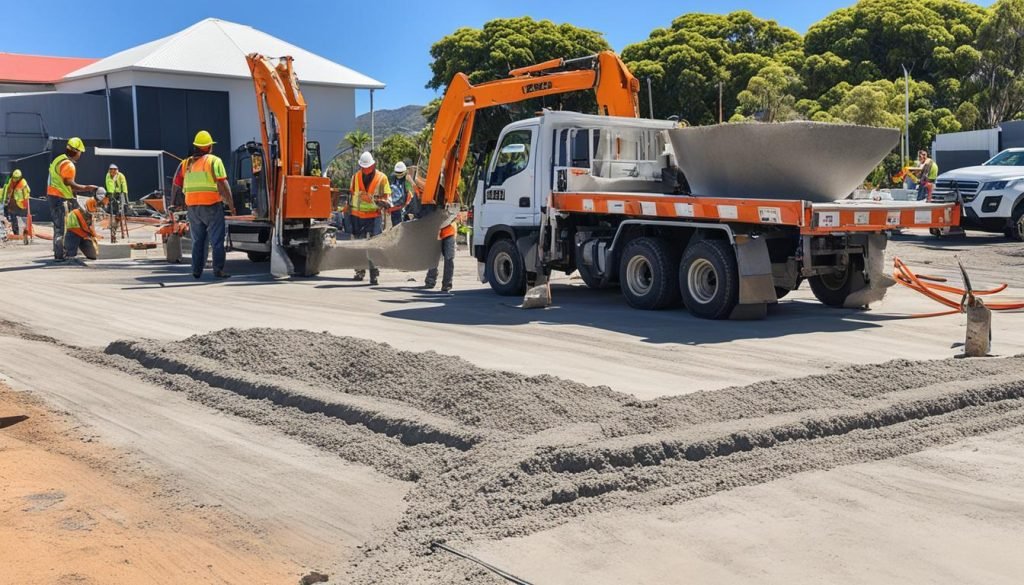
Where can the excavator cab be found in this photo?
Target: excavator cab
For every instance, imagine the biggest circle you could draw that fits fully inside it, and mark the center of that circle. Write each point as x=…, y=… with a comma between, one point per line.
x=313, y=166
x=248, y=188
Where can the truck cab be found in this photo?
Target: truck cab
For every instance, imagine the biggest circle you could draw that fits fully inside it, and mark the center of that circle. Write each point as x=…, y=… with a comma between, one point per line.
x=555, y=151
x=992, y=194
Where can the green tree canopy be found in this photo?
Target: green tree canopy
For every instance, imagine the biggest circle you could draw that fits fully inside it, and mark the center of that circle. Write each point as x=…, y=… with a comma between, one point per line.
x=771, y=94
x=689, y=60
x=394, y=148
x=874, y=39
x=507, y=43
x=999, y=78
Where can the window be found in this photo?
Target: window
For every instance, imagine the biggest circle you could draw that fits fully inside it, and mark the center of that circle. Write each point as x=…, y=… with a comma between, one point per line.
x=512, y=157
x=1007, y=159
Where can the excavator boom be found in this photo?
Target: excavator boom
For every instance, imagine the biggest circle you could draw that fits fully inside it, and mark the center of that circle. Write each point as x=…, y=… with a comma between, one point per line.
x=617, y=95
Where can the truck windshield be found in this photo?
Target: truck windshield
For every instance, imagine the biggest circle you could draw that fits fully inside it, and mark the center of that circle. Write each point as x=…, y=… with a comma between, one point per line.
x=1007, y=159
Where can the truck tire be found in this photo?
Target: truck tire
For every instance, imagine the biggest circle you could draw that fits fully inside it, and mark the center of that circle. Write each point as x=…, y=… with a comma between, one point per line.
x=258, y=256
x=505, y=270
x=1015, y=231
x=832, y=289
x=709, y=279
x=649, y=274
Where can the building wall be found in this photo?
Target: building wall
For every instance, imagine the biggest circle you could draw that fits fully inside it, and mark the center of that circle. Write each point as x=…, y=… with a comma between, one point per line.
x=331, y=112
x=28, y=121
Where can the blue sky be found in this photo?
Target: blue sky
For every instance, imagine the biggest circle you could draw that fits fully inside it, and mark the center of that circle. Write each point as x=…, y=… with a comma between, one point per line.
x=388, y=40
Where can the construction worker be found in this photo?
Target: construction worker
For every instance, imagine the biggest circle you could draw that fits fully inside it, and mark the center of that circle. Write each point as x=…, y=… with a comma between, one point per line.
x=14, y=198
x=79, y=234
x=402, y=191
x=371, y=193
x=117, y=198
x=926, y=171
x=447, y=238
x=61, y=191
x=204, y=182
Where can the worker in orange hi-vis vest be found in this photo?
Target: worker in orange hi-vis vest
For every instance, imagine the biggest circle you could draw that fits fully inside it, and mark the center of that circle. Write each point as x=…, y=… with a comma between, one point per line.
x=447, y=238
x=371, y=195
x=80, y=235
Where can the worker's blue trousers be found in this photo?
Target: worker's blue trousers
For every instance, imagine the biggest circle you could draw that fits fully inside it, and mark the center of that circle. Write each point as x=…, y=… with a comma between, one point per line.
x=206, y=223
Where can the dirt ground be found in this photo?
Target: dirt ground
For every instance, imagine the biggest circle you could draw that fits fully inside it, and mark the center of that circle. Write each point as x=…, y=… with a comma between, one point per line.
x=583, y=443
x=75, y=511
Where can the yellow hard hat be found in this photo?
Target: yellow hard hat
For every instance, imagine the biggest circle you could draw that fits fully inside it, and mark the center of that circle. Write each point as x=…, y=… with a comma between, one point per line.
x=16, y=174
x=77, y=144
x=203, y=138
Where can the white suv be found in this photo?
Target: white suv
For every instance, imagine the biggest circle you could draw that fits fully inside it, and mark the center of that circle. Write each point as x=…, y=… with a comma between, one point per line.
x=993, y=193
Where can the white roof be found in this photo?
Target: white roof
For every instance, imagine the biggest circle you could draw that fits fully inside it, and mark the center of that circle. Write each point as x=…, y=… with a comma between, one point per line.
x=218, y=48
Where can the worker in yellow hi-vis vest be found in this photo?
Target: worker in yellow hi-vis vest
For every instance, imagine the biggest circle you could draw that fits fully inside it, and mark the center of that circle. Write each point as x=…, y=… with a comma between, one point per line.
x=14, y=197
x=117, y=199
x=61, y=190
x=204, y=182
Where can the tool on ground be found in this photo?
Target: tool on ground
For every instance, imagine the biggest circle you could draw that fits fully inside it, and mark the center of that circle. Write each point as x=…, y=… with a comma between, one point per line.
x=978, y=341
x=499, y=572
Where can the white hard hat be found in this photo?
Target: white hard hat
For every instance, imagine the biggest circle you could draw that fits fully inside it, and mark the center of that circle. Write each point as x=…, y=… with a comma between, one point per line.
x=366, y=160
x=400, y=167
x=113, y=166
x=101, y=193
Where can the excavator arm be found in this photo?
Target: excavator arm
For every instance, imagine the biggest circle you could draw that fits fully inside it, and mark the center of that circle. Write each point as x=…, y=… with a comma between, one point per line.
x=617, y=95
x=282, y=112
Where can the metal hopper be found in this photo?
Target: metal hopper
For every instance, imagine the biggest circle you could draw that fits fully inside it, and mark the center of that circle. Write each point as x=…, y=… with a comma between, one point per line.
x=810, y=161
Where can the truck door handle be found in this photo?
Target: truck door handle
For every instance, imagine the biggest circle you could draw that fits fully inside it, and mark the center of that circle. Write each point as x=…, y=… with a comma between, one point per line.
x=524, y=202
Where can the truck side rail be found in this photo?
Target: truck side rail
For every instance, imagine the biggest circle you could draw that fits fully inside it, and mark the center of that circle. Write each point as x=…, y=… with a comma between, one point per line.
x=810, y=218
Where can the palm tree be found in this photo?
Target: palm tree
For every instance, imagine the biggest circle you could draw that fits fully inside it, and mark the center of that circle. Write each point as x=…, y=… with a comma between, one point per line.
x=357, y=141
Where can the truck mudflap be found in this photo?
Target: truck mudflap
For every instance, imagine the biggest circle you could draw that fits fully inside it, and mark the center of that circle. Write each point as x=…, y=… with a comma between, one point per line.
x=877, y=279
x=757, y=287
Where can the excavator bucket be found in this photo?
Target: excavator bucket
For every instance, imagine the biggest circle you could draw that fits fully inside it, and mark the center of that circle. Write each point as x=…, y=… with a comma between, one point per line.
x=411, y=245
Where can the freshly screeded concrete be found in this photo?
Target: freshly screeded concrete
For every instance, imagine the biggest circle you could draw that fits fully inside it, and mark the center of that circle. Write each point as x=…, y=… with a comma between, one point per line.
x=793, y=160
x=573, y=444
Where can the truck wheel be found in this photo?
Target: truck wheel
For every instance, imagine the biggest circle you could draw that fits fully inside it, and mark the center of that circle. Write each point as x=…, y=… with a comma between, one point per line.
x=258, y=256
x=505, y=270
x=649, y=274
x=832, y=289
x=709, y=279
x=1015, y=231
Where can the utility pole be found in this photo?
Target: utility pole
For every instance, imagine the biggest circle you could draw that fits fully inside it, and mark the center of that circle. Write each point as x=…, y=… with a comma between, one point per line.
x=650, y=98
x=720, y=113
x=906, y=116
x=373, y=134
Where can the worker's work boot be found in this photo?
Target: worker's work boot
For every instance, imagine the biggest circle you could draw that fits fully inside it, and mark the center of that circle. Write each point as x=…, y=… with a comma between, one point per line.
x=446, y=288
x=373, y=277
x=360, y=275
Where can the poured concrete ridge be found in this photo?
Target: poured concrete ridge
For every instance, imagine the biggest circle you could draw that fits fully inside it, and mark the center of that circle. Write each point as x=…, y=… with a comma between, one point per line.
x=792, y=160
x=411, y=245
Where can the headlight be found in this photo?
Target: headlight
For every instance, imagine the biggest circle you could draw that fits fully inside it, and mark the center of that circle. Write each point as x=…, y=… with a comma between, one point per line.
x=995, y=186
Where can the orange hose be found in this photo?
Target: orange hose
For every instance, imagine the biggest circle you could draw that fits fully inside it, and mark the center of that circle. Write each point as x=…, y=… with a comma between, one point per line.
x=929, y=287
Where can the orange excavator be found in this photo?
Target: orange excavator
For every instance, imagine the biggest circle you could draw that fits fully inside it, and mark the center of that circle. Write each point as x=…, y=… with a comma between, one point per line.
x=298, y=195
x=410, y=245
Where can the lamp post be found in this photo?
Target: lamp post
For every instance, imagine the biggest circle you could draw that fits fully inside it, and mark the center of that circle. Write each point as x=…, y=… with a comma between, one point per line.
x=906, y=116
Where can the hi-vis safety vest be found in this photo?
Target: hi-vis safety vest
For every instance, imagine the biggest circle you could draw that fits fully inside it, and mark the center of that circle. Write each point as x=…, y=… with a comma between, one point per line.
x=200, y=186
x=57, y=188
x=117, y=184
x=17, y=189
x=933, y=172
x=75, y=222
x=364, y=201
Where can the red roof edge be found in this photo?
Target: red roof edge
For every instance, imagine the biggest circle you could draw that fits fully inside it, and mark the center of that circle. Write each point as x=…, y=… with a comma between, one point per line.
x=17, y=68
